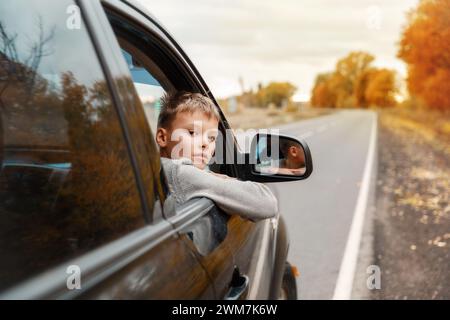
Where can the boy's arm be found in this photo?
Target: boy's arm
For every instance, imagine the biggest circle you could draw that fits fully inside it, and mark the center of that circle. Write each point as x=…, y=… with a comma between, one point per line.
x=248, y=199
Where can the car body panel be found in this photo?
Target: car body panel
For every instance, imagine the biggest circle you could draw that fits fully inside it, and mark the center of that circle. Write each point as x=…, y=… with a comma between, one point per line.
x=193, y=252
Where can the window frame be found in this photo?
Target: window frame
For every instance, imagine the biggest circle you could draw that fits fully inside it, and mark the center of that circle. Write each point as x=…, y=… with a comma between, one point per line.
x=126, y=101
x=183, y=74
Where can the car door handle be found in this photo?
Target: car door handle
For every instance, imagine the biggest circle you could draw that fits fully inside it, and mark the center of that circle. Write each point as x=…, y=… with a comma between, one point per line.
x=238, y=285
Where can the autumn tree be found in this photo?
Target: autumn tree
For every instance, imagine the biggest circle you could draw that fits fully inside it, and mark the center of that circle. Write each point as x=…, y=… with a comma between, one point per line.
x=355, y=83
x=323, y=95
x=381, y=88
x=349, y=71
x=276, y=93
x=425, y=47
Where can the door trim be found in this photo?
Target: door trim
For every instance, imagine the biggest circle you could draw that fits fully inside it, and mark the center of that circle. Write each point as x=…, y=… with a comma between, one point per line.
x=95, y=266
x=263, y=256
x=190, y=211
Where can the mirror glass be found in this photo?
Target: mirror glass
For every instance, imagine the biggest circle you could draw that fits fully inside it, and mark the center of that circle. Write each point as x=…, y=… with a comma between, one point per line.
x=277, y=154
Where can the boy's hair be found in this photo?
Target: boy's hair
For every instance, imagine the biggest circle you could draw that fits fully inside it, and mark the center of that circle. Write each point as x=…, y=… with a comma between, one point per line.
x=182, y=101
x=285, y=144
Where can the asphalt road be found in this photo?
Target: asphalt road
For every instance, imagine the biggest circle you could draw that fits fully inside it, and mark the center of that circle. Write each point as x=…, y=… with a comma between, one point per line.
x=320, y=211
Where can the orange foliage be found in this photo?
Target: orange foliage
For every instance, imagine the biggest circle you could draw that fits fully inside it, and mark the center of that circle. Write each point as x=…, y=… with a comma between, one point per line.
x=376, y=87
x=425, y=47
x=355, y=83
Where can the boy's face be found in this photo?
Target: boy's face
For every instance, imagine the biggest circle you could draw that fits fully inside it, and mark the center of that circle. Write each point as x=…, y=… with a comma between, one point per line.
x=190, y=135
x=296, y=156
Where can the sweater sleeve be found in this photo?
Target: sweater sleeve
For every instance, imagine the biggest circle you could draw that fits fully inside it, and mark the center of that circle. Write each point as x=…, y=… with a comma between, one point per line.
x=248, y=199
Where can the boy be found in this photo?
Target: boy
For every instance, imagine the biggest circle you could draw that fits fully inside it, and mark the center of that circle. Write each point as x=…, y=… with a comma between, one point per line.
x=186, y=134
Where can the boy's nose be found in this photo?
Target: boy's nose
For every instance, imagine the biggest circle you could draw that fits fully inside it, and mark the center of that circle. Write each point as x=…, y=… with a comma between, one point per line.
x=204, y=142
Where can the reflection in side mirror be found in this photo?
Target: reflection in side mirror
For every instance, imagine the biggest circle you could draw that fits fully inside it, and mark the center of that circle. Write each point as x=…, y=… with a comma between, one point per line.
x=280, y=156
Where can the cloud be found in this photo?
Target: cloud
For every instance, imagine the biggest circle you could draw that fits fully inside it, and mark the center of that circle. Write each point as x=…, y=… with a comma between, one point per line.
x=286, y=40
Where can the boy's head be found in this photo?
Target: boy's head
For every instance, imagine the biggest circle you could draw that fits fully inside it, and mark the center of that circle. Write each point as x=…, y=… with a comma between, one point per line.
x=188, y=127
x=293, y=153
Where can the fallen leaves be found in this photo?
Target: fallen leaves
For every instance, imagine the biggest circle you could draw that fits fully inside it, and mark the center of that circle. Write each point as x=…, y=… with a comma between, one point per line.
x=412, y=225
x=439, y=241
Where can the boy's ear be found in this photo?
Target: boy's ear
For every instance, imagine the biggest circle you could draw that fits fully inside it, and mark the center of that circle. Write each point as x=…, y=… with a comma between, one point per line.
x=161, y=137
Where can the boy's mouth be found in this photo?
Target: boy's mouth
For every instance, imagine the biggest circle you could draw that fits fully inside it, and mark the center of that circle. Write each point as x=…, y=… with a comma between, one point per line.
x=201, y=156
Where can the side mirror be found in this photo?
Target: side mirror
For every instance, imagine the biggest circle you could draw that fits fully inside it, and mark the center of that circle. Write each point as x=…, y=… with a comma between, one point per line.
x=276, y=158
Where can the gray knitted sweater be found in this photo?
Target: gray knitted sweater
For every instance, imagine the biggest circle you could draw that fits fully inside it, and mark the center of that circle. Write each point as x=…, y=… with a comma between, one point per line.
x=248, y=199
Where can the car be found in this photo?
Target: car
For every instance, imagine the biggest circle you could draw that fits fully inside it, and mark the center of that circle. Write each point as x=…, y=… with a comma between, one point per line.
x=82, y=191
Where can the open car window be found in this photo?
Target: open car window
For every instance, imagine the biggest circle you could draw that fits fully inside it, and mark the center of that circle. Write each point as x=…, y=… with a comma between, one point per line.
x=149, y=81
x=152, y=71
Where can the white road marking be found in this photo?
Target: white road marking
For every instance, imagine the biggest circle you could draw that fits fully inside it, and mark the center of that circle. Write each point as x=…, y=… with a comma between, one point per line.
x=346, y=275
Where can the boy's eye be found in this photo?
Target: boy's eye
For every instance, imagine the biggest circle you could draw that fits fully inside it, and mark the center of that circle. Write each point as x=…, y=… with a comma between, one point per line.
x=211, y=139
x=191, y=132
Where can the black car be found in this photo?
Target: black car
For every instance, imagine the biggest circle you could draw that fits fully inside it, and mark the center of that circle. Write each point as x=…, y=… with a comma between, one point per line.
x=81, y=187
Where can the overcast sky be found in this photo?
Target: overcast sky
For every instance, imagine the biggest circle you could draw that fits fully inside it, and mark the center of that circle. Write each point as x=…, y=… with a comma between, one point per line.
x=286, y=40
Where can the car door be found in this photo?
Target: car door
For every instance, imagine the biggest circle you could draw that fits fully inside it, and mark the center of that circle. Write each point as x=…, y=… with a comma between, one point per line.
x=143, y=52
x=80, y=207
x=233, y=243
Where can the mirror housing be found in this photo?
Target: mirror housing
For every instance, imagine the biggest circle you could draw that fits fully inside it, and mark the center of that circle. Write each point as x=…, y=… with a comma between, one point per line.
x=277, y=158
